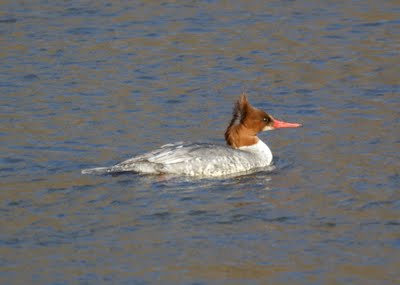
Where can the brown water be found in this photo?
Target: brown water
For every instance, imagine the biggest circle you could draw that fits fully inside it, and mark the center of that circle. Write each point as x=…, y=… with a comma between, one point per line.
x=85, y=84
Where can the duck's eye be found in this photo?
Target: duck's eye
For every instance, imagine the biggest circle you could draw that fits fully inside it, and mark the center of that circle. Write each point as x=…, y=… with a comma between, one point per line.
x=266, y=119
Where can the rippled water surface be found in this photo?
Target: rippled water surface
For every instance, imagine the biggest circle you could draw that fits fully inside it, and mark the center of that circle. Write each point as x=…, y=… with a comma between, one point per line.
x=88, y=83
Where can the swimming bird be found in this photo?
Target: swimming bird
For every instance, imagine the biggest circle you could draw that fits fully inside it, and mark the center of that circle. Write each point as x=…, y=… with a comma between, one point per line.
x=244, y=150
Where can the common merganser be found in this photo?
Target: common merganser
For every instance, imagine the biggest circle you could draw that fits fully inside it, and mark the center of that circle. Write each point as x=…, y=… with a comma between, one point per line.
x=244, y=151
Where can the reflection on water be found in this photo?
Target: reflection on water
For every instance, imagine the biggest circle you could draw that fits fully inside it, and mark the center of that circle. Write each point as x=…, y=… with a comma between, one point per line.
x=86, y=84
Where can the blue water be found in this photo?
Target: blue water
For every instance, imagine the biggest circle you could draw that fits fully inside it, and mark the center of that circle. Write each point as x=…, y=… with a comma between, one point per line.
x=87, y=84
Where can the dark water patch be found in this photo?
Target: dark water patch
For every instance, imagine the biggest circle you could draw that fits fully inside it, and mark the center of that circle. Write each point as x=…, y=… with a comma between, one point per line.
x=119, y=203
x=82, y=187
x=15, y=203
x=174, y=101
x=164, y=215
x=376, y=204
x=395, y=178
x=281, y=164
x=129, y=229
x=8, y=20
x=231, y=221
x=82, y=31
x=373, y=24
x=79, y=11
x=179, y=100
x=305, y=91
x=55, y=190
x=13, y=242
x=281, y=219
x=5, y=211
x=236, y=198
x=31, y=77
x=152, y=35
x=9, y=84
x=237, y=218
x=374, y=93
x=187, y=198
x=244, y=217
x=180, y=58
x=335, y=26
x=369, y=223
x=126, y=182
x=308, y=112
x=7, y=169
x=197, y=212
x=337, y=58
x=393, y=223
x=55, y=238
x=375, y=141
x=242, y=58
x=346, y=202
x=148, y=77
x=328, y=224
x=38, y=179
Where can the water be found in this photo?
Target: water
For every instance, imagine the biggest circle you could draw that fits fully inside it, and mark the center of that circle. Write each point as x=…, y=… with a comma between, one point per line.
x=87, y=84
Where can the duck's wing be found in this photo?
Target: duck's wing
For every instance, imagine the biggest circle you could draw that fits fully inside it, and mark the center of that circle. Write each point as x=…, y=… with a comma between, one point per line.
x=180, y=152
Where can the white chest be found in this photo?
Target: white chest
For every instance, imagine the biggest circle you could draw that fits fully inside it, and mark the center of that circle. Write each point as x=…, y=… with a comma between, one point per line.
x=261, y=150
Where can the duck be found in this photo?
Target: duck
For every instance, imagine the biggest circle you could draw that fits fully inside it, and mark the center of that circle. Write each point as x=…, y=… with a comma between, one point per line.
x=243, y=152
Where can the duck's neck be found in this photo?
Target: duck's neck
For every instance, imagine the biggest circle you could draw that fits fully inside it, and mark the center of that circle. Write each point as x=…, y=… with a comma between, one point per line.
x=239, y=136
x=262, y=152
